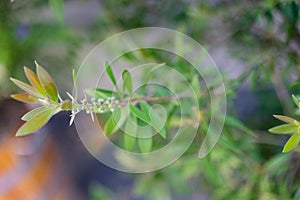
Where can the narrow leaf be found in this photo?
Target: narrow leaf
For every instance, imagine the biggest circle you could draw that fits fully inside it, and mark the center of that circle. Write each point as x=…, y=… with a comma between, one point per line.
x=291, y=143
x=27, y=98
x=28, y=116
x=295, y=99
x=57, y=7
x=284, y=129
x=67, y=105
x=139, y=114
x=127, y=81
x=155, y=120
x=111, y=75
x=115, y=121
x=36, y=122
x=27, y=88
x=34, y=81
x=130, y=132
x=47, y=82
x=285, y=119
x=145, y=144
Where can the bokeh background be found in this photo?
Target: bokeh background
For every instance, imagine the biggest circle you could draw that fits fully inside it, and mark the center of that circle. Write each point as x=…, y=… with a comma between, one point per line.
x=255, y=44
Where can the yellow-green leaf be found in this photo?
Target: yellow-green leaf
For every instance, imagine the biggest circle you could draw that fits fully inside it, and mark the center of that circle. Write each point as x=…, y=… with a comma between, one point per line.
x=284, y=129
x=67, y=105
x=285, y=119
x=27, y=88
x=37, y=122
x=47, y=82
x=34, y=80
x=28, y=116
x=291, y=143
x=27, y=98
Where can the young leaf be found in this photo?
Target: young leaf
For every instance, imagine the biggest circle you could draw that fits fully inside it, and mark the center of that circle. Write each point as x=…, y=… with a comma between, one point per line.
x=67, y=105
x=28, y=116
x=139, y=114
x=27, y=88
x=291, y=143
x=111, y=75
x=34, y=81
x=37, y=122
x=57, y=7
x=127, y=81
x=75, y=83
x=47, y=82
x=145, y=144
x=284, y=129
x=27, y=98
x=129, y=132
x=99, y=93
x=285, y=119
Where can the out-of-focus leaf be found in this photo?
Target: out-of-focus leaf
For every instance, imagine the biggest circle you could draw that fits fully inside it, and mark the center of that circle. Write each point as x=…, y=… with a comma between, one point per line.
x=37, y=122
x=291, y=143
x=111, y=75
x=284, y=129
x=27, y=98
x=127, y=81
x=57, y=7
x=27, y=88
x=295, y=100
x=130, y=132
x=75, y=83
x=285, y=119
x=34, y=80
x=196, y=86
x=149, y=74
x=99, y=93
x=28, y=116
x=47, y=82
x=145, y=144
x=235, y=123
x=139, y=114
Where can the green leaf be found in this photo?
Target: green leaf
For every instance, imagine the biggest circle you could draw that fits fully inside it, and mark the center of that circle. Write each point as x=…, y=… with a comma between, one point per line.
x=37, y=122
x=139, y=114
x=47, y=82
x=115, y=121
x=27, y=88
x=99, y=93
x=27, y=98
x=149, y=74
x=57, y=7
x=145, y=144
x=75, y=83
x=130, y=132
x=235, y=123
x=34, y=81
x=284, y=129
x=127, y=81
x=155, y=120
x=291, y=143
x=111, y=75
x=295, y=100
x=285, y=119
x=28, y=116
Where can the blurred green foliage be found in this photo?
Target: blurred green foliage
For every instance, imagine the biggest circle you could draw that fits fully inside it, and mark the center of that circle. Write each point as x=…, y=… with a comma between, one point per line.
x=246, y=163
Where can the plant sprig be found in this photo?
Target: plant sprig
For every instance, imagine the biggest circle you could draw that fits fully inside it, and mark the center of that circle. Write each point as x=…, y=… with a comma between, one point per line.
x=42, y=90
x=292, y=127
